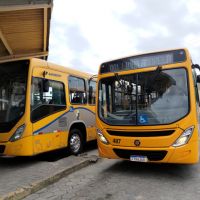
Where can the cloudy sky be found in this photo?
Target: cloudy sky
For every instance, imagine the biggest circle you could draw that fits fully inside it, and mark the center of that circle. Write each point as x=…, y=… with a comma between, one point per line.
x=85, y=33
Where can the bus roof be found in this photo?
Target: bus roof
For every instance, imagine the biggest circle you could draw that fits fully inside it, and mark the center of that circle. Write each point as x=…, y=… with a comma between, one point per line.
x=60, y=68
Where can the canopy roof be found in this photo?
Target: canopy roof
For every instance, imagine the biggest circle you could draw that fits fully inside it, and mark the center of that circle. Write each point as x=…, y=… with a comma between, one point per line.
x=24, y=29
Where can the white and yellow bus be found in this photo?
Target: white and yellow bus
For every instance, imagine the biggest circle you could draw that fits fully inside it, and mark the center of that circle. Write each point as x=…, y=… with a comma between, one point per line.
x=147, y=108
x=44, y=107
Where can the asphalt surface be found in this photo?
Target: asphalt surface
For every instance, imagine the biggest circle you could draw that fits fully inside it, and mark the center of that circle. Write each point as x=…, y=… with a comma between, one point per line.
x=117, y=180
x=20, y=176
x=107, y=179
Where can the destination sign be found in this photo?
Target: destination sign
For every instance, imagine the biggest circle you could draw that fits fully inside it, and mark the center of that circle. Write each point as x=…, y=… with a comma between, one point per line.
x=143, y=61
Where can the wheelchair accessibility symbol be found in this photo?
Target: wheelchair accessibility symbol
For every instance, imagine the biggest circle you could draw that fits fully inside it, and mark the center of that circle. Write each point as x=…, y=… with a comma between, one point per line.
x=143, y=119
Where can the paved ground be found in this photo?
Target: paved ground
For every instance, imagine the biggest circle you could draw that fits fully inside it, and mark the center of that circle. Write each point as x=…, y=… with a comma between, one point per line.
x=19, y=172
x=117, y=180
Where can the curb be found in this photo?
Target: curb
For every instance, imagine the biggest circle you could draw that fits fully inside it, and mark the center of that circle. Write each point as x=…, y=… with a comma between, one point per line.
x=24, y=191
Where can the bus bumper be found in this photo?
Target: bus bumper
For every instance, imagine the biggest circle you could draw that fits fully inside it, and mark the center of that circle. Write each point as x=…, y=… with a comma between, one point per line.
x=21, y=147
x=186, y=154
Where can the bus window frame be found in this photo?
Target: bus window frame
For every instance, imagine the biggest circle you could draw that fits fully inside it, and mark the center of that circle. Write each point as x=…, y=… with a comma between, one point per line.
x=63, y=107
x=146, y=125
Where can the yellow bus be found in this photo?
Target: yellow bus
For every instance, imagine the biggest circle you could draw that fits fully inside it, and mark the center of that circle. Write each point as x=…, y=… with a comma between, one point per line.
x=147, y=108
x=44, y=107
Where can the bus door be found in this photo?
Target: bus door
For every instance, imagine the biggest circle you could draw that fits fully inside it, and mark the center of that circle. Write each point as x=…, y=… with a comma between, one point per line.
x=92, y=102
x=48, y=106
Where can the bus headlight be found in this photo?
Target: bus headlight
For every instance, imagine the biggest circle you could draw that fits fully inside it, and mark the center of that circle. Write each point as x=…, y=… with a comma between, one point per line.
x=18, y=133
x=184, y=138
x=102, y=137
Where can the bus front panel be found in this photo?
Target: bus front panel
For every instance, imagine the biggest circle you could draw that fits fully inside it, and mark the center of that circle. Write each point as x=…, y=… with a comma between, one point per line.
x=148, y=115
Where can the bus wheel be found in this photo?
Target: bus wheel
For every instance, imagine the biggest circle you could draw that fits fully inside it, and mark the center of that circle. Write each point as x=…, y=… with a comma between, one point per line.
x=75, y=142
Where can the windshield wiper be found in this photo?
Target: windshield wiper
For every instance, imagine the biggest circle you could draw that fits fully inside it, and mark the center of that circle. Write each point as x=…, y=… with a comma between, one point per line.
x=157, y=73
x=164, y=77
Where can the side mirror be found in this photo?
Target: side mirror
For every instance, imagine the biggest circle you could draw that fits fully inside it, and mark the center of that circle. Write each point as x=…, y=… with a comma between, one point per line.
x=45, y=85
x=198, y=78
x=195, y=66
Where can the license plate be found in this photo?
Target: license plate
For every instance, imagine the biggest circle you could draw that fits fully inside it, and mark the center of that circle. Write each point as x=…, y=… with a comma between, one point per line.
x=138, y=158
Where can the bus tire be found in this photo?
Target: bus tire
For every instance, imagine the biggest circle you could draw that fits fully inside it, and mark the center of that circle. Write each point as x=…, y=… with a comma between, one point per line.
x=75, y=142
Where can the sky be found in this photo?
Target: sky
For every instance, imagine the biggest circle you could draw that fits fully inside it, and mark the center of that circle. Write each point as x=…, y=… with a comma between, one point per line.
x=86, y=33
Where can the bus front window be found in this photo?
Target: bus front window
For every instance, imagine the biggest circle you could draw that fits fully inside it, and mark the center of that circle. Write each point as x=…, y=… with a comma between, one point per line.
x=12, y=93
x=149, y=98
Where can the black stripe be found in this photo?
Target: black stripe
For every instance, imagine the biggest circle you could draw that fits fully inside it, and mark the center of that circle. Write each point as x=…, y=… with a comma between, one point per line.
x=151, y=155
x=141, y=134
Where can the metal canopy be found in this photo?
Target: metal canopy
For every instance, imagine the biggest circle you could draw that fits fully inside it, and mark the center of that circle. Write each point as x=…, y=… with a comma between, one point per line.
x=24, y=29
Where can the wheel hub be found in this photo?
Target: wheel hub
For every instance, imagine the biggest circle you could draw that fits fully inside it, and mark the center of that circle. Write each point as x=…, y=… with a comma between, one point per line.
x=75, y=143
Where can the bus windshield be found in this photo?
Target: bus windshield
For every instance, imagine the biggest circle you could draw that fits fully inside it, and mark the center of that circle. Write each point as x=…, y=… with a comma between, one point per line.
x=148, y=98
x=12, y=93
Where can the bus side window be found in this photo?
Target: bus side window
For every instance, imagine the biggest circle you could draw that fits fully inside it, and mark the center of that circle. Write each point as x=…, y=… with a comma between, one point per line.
x=77, y=90
x=92, y=92
x=196, y=85
x=57, y=93
x=46, y=101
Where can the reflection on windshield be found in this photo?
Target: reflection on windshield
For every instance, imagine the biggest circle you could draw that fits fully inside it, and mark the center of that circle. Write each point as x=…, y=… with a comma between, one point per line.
x=12, y=91
x=156, y=97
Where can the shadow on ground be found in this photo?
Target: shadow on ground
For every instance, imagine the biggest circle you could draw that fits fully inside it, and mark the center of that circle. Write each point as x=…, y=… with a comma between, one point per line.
x=44, y=157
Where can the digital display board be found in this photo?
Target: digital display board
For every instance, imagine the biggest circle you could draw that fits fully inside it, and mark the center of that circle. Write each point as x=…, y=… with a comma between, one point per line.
x=143, y=61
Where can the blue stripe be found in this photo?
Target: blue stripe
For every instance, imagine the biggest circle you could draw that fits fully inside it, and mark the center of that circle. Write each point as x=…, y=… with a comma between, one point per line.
x=60, y=117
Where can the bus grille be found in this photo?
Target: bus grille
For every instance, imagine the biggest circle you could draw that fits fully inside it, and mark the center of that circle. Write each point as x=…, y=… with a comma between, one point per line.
x=151, y=155
x=141, y=134
x=2, y=148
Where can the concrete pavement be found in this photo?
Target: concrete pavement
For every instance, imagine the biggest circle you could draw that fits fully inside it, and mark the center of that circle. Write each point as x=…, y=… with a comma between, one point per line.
x=20, y=177
x=125, y=180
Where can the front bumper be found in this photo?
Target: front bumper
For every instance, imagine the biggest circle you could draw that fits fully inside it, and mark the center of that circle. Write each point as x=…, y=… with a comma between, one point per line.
x=21, y=147
x=187, y=154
